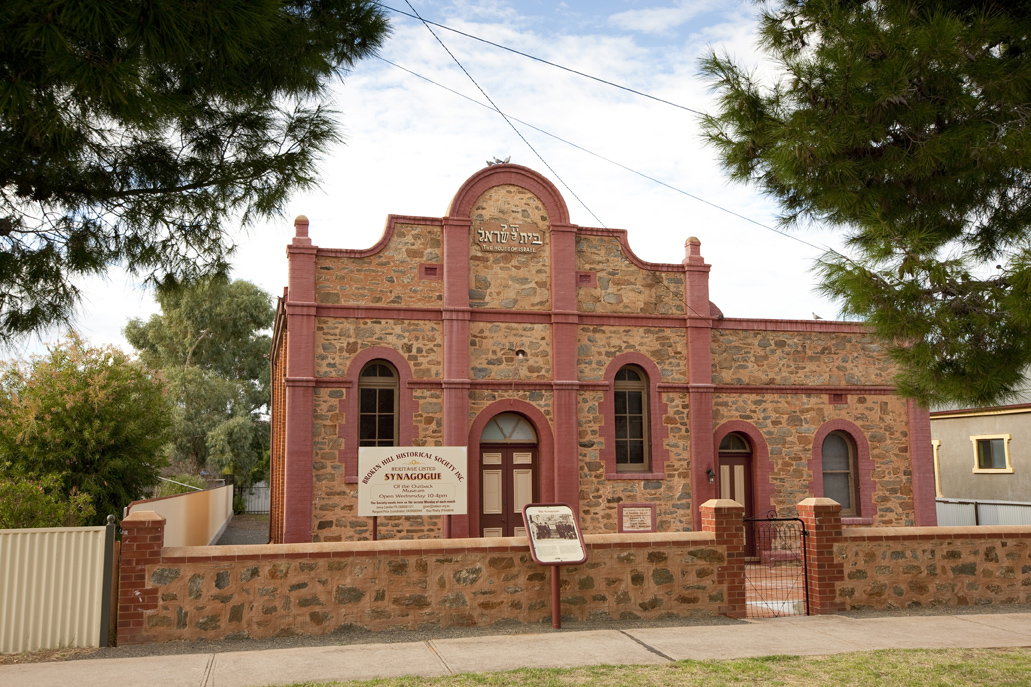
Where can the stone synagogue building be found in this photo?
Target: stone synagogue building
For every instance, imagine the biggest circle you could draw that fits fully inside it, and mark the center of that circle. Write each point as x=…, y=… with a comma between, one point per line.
x=573, y=372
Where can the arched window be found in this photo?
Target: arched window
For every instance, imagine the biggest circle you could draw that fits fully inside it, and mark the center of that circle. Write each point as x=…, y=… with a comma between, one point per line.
x=508, y=428
x=839, y=472
x=631, y=415
x=377, y=404
x=734, y=443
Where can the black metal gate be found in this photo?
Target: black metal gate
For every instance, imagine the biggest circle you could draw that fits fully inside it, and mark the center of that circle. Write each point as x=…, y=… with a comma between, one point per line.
x=776, y=581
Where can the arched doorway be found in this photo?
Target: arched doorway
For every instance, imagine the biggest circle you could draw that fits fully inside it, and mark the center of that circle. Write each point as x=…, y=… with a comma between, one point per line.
x=509, y=460
x=735, y=477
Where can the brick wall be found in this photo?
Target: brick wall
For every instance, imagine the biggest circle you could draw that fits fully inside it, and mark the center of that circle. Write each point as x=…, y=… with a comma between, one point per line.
x=261, y=591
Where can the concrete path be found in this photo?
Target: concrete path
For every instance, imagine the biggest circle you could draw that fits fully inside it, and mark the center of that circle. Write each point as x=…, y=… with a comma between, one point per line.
x=802, y=636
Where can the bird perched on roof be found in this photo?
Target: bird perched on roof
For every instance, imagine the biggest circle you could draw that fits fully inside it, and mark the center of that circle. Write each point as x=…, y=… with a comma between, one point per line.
x=499, y=161
x=816, y=317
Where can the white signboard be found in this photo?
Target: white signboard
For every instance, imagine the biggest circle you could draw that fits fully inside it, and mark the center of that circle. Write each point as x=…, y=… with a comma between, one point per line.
x=412, y=480
x=555, y=537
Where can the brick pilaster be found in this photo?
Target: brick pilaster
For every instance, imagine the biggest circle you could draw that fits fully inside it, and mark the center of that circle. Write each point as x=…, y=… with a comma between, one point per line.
x=822, y=518
x=143, y=535
x=723, y=518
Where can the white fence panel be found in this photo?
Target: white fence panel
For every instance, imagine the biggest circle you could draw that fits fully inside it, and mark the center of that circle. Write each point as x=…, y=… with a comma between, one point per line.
x=257, y=498
x=51, y=588
x=953, y=512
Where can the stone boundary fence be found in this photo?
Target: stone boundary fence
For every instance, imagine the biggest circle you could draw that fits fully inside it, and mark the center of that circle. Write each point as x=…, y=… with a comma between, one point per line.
x=913, y=567
x=172, y=593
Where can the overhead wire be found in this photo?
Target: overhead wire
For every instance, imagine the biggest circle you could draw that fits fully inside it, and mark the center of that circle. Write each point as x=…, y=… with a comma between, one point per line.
x=503, y=115
x=613, y=162
x=542, y=60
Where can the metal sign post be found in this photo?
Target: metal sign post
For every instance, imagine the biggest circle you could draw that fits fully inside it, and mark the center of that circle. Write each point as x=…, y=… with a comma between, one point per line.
x=555, y=540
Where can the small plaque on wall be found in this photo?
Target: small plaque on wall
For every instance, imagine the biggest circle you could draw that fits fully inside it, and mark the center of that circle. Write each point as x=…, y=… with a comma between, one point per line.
x=636, y=517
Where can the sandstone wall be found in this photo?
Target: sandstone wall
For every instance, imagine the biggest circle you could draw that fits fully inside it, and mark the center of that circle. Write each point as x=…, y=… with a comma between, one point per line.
x=623, y=287
x=934, y=566
x=311, y=589
x=337, y=340
x=493, y=346
x=390, y=277
x=664, y=346
x=742, y=356
x=510, y=280
x=789, y=422
x=600, y=497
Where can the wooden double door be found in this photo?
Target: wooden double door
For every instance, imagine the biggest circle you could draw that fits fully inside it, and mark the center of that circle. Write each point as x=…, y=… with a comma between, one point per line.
x=508, y=481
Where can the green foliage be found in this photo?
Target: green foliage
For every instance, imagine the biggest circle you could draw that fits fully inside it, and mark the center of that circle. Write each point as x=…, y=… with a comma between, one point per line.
x=28, y=503
x=90, y=417
x=905, y=125
x=166, y=488
x=211, y=342
x=131, y=131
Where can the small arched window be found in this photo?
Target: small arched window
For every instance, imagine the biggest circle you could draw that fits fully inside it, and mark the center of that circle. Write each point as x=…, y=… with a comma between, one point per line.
x=377, y=404
x=734, y=443
x=839, y=472
x=508, y=428
x=631, y=415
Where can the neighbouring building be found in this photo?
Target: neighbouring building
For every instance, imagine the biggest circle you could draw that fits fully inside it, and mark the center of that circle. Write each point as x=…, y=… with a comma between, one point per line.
x=574, y=372
x=984, y=454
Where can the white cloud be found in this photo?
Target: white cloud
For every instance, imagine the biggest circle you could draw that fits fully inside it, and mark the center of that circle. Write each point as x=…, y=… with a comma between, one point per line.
x=660, y=20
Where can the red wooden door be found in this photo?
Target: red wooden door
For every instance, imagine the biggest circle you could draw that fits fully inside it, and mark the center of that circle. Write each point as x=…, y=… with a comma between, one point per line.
x=508, y=481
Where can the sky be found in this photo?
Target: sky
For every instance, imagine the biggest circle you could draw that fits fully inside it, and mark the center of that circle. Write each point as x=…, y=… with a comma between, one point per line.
x=409, y=145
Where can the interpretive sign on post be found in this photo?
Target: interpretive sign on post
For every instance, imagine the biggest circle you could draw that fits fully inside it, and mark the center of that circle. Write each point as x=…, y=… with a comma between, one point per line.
x=412, y=480
x=555, y=540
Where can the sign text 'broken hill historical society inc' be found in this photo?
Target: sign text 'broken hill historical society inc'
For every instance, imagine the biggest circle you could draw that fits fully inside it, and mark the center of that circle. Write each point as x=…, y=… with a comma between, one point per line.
x=412, y=480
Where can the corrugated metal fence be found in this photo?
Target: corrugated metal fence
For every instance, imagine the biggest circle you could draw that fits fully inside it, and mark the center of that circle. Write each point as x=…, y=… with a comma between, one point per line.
x=55, y=587
x=256, y=498
x=957, y=512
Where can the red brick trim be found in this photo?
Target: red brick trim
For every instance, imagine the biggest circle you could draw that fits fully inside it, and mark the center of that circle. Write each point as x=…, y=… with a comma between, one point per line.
x=143, y=535
x=621, y=236
x=348, y=429
x=864, y=464
x=545, y=453
x=822, y=519
x=388, y=233
x=498, y=175
x=762, y=466
x=723, y=519
x=769, y=325
x=921, y=457
x=587, y=280
x=431, y=271
x=657, y=409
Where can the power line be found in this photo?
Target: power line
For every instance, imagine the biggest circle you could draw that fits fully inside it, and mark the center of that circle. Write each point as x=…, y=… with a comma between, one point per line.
x=539, y=59
x=503, y=115
x=613, y=162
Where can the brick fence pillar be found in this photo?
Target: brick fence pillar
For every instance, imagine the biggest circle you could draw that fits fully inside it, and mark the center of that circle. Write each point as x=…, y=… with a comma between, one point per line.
x=822, y=518
x=143, y=535
x=723, y=518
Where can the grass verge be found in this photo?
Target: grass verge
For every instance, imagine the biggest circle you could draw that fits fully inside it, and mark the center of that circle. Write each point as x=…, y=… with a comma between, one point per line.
x=897, y=668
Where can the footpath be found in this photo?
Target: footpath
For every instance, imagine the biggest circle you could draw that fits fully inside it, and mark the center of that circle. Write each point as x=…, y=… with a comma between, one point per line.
x=800, y=636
